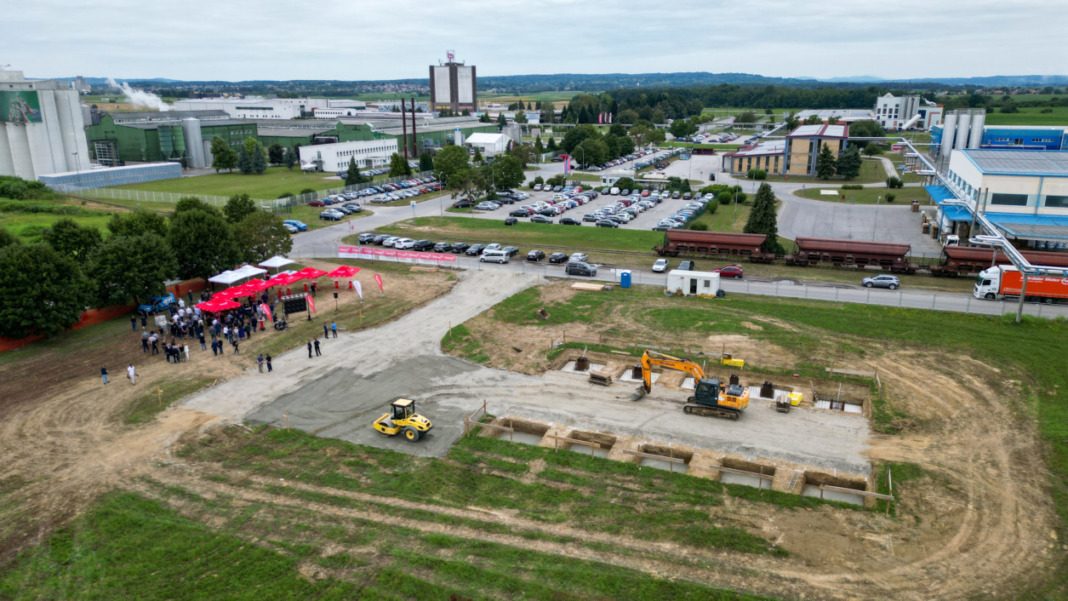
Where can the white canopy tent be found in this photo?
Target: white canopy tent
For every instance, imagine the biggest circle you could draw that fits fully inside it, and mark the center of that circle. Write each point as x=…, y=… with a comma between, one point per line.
x=275, y=262
x=229, y=277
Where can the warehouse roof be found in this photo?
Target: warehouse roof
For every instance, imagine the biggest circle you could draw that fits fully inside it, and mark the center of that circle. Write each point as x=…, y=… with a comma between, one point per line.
x=146, y=125
x=762, y=149
x=820, y=131
x=1038, y=227
x=290, y=132
x=485, y=138
x=1047, y=163
x=168, y=115
x=846, y=115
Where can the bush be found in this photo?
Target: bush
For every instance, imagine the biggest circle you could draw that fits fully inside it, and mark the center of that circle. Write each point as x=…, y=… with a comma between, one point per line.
x=852, y=187
x=890, y=198
x=1046, y=110
x=724, y=198
x=757, y=174
x=307, y=191
x=894, y=182
x=701, y=227
x=710, y=208
x=285, y=195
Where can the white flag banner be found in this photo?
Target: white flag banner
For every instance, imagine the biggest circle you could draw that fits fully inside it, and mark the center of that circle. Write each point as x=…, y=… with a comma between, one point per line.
x=359, y=288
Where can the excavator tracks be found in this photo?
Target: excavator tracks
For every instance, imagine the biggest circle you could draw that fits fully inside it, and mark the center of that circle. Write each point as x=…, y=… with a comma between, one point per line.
x=720, y=412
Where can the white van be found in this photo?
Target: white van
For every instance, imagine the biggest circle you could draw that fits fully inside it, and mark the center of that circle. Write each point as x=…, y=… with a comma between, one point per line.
x=614, y=191
x=494, y=256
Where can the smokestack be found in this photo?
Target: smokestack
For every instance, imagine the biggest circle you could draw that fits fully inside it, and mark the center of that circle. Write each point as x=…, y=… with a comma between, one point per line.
x=415, y=147
x=404, y=129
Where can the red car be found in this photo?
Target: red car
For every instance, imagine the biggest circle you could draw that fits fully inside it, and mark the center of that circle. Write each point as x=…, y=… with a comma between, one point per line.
x=317, y=203
x=731, y=271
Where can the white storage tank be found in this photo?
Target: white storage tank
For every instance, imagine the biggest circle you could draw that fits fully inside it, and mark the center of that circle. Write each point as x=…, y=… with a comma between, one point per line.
x=975, y=140
x=949, y=127
x=194, y=144
x=964, y=122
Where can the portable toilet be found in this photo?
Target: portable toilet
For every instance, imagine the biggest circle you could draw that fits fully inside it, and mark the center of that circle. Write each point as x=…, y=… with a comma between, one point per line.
x=624, y=278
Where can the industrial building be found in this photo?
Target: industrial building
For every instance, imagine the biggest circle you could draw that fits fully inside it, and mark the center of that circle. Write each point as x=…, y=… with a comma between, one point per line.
x=896, y=113
x=796, y=155
x=42, y=130
x=336, y=157
x=1015, y=137
x=270, y=108
x=453, y=86
x=168, y=136
x=98, y=177
x=846, y=116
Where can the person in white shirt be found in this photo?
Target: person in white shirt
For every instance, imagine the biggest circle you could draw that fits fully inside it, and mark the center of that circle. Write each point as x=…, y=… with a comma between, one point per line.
x=132, y=374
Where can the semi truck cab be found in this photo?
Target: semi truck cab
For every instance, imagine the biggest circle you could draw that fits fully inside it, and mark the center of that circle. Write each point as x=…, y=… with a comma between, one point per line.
x=987, y=284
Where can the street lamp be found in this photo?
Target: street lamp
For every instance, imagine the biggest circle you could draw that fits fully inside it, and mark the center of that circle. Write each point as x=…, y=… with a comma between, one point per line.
x=875, y=220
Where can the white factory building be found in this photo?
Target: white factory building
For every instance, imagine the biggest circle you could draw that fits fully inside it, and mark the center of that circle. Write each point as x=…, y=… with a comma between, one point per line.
x=42, y=130
x=269, y=108
x=488, y=144
x=336, y=157
x=905, y=112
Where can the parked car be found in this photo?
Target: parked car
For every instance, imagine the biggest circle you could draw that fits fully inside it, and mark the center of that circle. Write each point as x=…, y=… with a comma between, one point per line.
x=423, y=245
x=687, y=265
x=520, y=213
x=460, y=247
x=332, y=215
x=535, y=255
x=474, y=250
x=660, y=265
x=510, y=221
x=442, y=247
x=404, y=244
x=882, y=281
x=537, y=187
x=558, y=258
x=380, y=239
x=157, y=304
x=579, y=257
x=541, y=219
x=300, y=225
x=511, y=250
x=606, y=223
x=494, y=256
x=365, y=238
x=290, y=228
x=463, y=203
x=580, y=268
x=486, y=205
x=731, y=271
x=570, y=221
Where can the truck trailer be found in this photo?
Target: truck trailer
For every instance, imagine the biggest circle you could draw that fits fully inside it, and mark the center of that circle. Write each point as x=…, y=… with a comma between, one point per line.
x=1003, y=281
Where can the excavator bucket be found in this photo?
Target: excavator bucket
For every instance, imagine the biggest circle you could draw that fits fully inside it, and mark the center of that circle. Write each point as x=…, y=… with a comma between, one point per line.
x=639, y=393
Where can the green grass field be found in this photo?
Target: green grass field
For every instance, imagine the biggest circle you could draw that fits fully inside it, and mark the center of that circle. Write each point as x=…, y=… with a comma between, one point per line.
x=870, y=195
x=270, y=185
x=870, y=172
x=1030, y=115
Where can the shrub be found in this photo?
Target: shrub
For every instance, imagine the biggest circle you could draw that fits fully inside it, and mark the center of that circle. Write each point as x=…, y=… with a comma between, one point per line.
x=894, y=182
x=285, y=195
x=1046, y=110
x=890, y=198
x=699, y=226
x=724, y=198
x=307, y=191
x=757, y=174
x=852, y=187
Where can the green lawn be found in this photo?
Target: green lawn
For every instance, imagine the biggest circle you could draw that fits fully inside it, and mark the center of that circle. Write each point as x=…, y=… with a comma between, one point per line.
x=870, y=172
x=727, y=218
x=870, y=195
x=270, y=185
x=1030, y=115
x=27, y=219
x=523, y=234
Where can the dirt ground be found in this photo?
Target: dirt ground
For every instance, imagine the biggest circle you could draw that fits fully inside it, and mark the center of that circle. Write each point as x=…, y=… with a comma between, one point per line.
x=979, y=524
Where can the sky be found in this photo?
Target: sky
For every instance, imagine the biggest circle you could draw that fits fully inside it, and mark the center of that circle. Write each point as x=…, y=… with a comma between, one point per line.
x=394, y=39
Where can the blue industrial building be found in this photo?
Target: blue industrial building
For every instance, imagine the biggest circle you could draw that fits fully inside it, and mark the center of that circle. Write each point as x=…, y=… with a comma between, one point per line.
x=1015, y=137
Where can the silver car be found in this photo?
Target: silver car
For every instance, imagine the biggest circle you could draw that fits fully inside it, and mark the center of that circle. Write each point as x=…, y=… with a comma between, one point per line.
x=882, y=281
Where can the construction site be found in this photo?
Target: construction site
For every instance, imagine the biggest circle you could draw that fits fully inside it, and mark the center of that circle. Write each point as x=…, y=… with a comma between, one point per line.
x=590, y=442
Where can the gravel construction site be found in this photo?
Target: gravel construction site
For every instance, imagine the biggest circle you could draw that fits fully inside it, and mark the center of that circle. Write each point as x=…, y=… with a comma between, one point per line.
x=338, y=395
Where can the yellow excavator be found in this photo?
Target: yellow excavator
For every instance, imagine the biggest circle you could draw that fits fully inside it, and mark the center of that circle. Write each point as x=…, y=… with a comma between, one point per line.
x=710, y=397
x=403, y=418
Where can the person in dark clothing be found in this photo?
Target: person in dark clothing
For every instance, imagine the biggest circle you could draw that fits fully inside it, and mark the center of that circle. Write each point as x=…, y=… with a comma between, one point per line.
x=313, y=289
x=326, y=331
x=104, y=374
x=203, y=344
x=144, y=342
x=144, y=322
x=133, y=323
x=215, y=348
x=190, y=294
x=269, y=367
x=317, y=353
x=309, y=349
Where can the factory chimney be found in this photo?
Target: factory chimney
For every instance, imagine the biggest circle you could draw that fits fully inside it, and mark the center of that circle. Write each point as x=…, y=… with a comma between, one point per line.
x=404, y=129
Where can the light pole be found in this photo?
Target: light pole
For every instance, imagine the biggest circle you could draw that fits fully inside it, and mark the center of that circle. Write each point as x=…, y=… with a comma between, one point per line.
x=875, y=221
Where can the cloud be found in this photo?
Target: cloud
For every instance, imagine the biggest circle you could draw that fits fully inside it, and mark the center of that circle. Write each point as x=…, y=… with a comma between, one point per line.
x=336, y=39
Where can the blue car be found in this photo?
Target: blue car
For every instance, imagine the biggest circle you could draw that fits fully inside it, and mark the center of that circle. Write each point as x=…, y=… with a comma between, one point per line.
x=300, y=225
x=157, y=304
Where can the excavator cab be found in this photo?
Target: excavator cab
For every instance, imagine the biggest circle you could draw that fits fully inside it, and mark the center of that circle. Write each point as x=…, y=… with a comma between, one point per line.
x=707, y=392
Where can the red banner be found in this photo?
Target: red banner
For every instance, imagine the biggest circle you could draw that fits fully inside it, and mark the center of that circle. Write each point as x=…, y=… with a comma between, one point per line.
x=311, y=303
x=378, y=279
x=266, y=311
x=374, y=252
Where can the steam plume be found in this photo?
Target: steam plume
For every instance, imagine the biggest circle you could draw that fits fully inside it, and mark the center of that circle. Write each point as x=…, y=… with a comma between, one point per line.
x=141, y=97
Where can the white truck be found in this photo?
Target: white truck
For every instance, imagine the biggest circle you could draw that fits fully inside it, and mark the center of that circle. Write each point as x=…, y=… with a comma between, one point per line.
x=1004, y=281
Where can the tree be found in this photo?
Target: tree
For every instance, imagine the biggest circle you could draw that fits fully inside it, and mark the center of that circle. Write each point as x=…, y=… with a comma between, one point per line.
x=628, y=116
x=202, y=243
x=792, y=122
x=592, y=151
x=682, y=128
x=530, y=108
x=867, y=128
x=275, y=153
x=41, y=291
x=257, y=157
x=501, y=121
x=465, y=113
x=848, y=164
x=137, y=223
x=484, y=118
x=450, y=161
x=763, y=220
x=832, y=120
x=244, y=160
x=222, y=156
x=538, y=146
x=239, y=207
x=825, y=163
x=261, y=235
x=520, y=117
x=398, y=166
x=873, y=149
x=577, y=135
x=624, y=182
x=523, y=152
x=426, y=162
x=71, y=239
x=617, y=130
x=747, y=117
x=136, y=268
x=188, y=203
x=548, y=112
x=477, y=157
x=551, y=146
x=507, y=172
x=290, y=158
x=353, y=175
x=813, y=120
x=8, y=239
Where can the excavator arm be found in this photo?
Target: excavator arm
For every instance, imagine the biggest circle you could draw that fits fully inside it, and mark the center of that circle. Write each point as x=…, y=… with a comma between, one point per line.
x=651, y=358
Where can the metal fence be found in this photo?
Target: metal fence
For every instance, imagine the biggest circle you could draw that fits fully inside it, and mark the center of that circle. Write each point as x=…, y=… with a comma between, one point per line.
x=278, y=204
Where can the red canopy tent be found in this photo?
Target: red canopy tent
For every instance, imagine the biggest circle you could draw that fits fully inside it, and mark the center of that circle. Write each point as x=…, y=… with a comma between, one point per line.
x=344, y=272
x=235, y=292
x=311, y=273
x=255, y=285
x=283, y=279
x=216, y=305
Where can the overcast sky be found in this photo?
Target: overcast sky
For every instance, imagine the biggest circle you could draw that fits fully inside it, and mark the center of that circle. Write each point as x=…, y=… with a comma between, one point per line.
x=393, y=39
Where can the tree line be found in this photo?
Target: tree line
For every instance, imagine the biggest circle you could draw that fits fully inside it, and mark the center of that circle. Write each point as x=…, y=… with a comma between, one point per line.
x=46, y=285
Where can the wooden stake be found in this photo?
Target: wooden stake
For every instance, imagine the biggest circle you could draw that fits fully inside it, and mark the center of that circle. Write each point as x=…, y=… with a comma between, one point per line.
x=159, y=396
